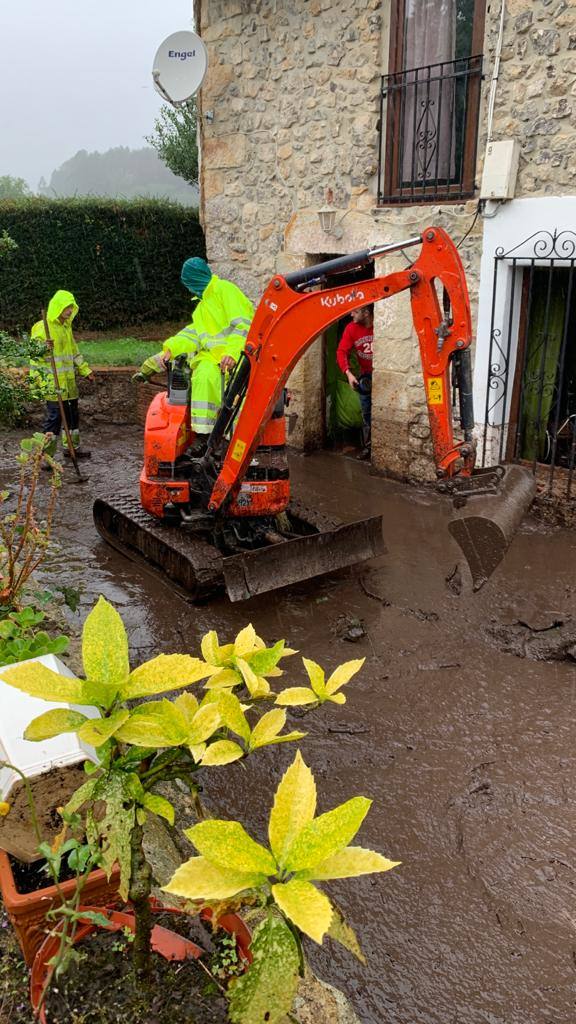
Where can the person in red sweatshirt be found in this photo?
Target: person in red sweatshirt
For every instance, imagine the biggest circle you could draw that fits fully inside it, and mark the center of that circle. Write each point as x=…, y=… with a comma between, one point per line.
x=358, y=336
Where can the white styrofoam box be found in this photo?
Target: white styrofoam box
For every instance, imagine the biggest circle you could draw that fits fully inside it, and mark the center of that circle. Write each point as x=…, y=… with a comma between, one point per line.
x=500, y=170
x=17, y=709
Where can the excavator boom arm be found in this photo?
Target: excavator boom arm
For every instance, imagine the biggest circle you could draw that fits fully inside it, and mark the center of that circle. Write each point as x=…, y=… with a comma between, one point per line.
x=287, y=321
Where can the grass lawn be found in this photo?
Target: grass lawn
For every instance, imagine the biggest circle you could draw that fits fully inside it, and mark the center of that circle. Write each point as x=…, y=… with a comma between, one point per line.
x=118, y=351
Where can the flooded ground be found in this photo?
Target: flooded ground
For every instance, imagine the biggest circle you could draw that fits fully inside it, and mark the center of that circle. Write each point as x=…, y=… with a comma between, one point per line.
x=468, y=750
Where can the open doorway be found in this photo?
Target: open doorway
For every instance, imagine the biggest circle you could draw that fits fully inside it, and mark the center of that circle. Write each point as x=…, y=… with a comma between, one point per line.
x=543, y=411
x=342, y=411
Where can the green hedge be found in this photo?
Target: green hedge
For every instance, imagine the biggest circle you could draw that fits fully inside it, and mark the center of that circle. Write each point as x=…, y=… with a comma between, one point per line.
x=121, y=259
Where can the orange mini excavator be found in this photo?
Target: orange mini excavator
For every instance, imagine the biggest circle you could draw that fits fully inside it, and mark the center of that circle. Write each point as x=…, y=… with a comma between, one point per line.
x=227, y=518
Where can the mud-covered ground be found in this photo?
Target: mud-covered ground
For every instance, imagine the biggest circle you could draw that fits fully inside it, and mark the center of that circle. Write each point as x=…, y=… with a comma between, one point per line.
x=464, y=737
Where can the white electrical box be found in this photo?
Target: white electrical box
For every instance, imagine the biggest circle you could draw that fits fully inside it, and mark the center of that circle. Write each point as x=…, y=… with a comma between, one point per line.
x=500, y=170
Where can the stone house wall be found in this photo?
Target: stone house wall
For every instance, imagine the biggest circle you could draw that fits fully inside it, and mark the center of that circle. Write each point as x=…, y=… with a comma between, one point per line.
x=289, y=110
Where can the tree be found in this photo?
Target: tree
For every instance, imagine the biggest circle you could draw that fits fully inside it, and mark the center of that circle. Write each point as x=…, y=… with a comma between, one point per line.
x=174, y=139
x=13, y=188
x=120, y=171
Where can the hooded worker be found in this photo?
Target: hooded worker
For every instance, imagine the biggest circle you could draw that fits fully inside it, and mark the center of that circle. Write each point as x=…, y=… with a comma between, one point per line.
x=212, y=341
x=68, y=360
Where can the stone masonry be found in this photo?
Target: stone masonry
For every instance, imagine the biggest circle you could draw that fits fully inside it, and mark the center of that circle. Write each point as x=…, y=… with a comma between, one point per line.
x=289, y=110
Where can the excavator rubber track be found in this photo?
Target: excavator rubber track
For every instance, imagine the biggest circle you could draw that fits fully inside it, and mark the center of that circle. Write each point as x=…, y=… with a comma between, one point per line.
x=199, y=568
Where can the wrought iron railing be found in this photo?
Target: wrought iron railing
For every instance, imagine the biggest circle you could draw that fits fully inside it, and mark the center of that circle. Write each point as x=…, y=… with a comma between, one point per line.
x=429, y=132
x=530, y=405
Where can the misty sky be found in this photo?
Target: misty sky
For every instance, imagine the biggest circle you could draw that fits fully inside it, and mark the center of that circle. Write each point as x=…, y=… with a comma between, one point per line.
x=76, y=74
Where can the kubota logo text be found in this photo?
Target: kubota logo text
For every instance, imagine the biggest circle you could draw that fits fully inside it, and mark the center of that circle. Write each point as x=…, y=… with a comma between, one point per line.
x=341, y=300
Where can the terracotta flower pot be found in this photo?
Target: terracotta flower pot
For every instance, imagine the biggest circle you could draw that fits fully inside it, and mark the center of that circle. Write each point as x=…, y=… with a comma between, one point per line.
x=234, y=925
x=27, y=911
x=164, y=942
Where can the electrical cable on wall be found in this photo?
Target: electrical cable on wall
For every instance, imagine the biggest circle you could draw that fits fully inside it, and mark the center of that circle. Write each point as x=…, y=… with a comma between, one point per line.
x=495, y=73
x=474, y=219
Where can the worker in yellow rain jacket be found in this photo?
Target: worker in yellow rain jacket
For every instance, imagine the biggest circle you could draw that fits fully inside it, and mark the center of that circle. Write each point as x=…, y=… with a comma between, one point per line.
x=62, y=309
x=213, y=341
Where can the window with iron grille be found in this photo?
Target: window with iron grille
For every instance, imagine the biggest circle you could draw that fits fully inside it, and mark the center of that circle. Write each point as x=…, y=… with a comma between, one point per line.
x=430, y=101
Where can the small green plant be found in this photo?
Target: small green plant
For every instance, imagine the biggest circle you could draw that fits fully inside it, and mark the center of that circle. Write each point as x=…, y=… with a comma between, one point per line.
x=17, y=350
x=7, y=245
x=15, y=388
x=156, y=741
x=280, y=881
x=14, y=396
x=20, y=640
x=25, y=526
x=226, y=962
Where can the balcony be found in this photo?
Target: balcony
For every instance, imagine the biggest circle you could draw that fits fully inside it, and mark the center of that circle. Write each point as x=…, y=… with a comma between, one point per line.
x=429, y=132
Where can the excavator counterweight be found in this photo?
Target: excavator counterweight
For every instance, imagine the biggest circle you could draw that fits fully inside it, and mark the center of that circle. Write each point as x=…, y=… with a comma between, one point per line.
x=226, y=517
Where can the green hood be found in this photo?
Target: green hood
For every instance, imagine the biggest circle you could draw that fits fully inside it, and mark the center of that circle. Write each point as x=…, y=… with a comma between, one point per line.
x=58, y=302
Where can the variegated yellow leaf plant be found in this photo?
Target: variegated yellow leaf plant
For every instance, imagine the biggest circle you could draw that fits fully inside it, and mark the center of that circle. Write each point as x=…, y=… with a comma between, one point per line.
x=157, y=740
x=109, y=681
x=246, y=662
x=266, y=732
x=320, y=689
x=122, y=780
x=303, y=850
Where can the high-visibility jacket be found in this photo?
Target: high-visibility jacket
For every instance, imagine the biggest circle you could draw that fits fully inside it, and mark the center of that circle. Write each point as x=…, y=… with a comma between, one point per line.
x=219, y=327
x=67, y=357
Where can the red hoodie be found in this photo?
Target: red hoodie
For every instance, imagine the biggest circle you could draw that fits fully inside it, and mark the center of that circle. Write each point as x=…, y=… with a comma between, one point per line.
x=360, y=338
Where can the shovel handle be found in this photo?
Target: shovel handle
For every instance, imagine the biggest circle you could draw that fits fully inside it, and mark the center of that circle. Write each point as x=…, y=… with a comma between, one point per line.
x=50, y=345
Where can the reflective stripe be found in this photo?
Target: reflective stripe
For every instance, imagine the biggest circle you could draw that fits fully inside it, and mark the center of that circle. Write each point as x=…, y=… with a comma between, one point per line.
x=202, y=419
x=237, y=331
x=235, y=328
x=226, y=332
x=204, y=405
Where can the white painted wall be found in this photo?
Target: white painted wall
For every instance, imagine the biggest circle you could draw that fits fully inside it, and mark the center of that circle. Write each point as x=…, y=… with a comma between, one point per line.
x=522, y=230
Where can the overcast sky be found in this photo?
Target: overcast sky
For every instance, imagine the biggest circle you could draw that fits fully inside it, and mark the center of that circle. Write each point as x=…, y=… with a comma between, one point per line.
x=76, y=74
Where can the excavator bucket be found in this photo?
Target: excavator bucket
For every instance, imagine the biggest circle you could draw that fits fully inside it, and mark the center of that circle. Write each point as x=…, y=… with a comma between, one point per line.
x=291, y=561
x=487, y=523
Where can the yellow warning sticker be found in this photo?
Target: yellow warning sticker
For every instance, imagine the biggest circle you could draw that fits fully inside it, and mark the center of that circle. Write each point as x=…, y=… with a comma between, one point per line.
x=435, y=390
x=238, y=450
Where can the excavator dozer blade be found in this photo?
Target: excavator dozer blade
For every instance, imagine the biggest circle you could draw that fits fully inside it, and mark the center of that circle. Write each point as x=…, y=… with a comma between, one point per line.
x=291, y=561
x=198, y=568
x=486, y=525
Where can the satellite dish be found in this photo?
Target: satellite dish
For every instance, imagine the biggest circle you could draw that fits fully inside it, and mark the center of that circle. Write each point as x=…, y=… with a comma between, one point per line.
x=179, y=67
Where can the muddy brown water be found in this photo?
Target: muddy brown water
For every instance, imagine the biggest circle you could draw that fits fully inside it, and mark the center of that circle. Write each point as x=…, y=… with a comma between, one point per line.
x=467, y=750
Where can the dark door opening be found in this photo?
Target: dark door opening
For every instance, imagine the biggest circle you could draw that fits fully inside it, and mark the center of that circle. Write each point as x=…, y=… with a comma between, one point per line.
x=543, y=413
x=342, y=413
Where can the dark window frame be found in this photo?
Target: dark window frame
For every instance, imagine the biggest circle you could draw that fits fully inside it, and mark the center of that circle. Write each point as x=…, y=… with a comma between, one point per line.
x=390, y=190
